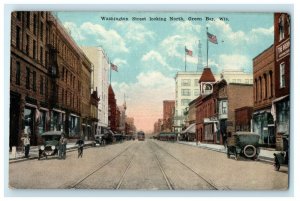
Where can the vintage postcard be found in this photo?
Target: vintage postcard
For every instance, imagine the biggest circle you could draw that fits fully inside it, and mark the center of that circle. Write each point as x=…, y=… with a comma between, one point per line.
x=149, y=100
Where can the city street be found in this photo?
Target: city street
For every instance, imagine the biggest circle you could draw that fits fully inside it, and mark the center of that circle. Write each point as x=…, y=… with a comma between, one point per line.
x=149, y=165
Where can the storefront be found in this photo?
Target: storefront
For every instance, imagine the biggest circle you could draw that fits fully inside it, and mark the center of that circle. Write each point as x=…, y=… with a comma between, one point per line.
x=57, y=120
x=281, y=108
x=74, y=125
x=263, y=124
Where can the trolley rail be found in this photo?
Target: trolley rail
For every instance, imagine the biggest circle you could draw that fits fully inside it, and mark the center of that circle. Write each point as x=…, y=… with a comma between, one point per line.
x=210, y=183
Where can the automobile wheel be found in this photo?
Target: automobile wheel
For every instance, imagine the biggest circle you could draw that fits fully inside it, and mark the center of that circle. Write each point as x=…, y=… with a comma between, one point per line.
x=249, y=151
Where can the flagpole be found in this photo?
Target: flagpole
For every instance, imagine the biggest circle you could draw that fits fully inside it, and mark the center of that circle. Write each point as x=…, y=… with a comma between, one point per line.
x=110, y=73
x=184, y=58
x=206, y=47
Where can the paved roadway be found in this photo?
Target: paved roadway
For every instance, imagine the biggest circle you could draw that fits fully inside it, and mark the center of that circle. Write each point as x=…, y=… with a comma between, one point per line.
x=147, y=165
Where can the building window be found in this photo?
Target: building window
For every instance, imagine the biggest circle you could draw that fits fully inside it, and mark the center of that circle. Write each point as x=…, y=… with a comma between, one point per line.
x=19, y=15
x=27, y=44
x=281, y=27
x=185, y=102
x=185, y=82
x=266, y=86
x=196, y=92
x=41, y=55
x=247, y=81
x=42, y=31
x=34, y=81
x=271, y=83
x=27, y=78
x=196, y=82
x=18, y=73
x=185, y=92
x=41, y=85
x=34, y=49
x=35, y=24
x=223, y=109
x=46, y=87
x=282, y=75
x=28, y=20
x=18, y=42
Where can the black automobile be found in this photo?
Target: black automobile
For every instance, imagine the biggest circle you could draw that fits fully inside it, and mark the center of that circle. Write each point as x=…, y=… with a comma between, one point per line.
x=243, y=143
x=51, y=144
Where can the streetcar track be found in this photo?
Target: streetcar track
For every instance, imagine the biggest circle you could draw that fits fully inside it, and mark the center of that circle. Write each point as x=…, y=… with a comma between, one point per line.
x=170, y=186
x=209, y=182
x=124, y=173
x=97, y=169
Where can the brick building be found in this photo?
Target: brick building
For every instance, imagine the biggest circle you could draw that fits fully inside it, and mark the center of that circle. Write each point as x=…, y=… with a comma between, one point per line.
x=215, y=112
x=281, y=103
x=263, y=95
x=112, y=110
x=243, y=118
x=46, y=78
x=168, y=111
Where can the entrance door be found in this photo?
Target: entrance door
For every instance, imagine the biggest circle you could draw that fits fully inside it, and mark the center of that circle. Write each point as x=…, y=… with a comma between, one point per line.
x=14, y=114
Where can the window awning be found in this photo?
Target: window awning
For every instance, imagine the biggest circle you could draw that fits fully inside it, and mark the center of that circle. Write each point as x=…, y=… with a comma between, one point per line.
x=190, y=129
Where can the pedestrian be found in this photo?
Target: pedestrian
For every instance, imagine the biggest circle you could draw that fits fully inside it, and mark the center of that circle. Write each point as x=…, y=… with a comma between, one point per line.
x=62, y=147
x=26, y=143
x=80, y=144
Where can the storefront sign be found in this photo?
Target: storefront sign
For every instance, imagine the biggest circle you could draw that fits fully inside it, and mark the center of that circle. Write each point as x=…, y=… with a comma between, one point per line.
x=283, y=49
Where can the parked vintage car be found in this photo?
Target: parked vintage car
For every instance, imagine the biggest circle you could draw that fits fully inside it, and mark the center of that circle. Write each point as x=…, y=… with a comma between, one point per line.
x=243, y=143
x=99, y=140
x=51, y=144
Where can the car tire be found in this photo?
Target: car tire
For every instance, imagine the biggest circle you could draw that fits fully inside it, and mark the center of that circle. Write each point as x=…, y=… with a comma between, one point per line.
x=248, y=153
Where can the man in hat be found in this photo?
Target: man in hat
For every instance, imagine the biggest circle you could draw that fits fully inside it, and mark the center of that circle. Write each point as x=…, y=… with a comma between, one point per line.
x=26, y=141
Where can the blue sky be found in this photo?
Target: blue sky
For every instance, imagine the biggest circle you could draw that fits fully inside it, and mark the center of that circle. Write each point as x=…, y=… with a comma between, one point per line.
x=149, y=53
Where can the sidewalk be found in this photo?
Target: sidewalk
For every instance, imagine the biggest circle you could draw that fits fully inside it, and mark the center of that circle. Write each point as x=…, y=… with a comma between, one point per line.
x=264, y=155
x=34, y=150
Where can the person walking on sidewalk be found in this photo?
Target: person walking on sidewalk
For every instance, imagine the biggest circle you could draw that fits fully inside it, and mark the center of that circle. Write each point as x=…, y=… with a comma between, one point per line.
x=62, y=147
x=80, y=143
x=26, y=143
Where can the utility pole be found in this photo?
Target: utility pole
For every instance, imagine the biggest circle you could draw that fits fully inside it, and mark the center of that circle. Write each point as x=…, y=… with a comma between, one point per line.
x=199, y=64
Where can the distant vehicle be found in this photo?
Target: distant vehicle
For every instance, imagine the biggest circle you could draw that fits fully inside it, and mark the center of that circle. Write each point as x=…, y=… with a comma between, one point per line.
x=141, y=136
x=167, y=136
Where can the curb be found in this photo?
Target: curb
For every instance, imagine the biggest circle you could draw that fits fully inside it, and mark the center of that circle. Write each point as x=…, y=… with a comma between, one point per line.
x=70, y=149
x=260, y=158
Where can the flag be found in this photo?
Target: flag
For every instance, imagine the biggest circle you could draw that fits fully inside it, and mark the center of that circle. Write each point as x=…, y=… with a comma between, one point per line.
x=114, y=67
x=212, y=38
x=189, y=52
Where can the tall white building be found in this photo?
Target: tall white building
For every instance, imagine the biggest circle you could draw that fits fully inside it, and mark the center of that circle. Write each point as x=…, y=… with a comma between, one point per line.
x=100, y=81
x=186, y=90
x=235, y=76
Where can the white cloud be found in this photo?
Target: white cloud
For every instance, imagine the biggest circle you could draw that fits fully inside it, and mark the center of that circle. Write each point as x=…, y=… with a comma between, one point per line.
x=187, y=26
x=74, y=31
x=109, y=38
x=135, y=31
x=156, y=56
x=224, y=31
x=264, y=31
x=119, y=62
x=234, y=62
x=145, y=97
x=174, y=45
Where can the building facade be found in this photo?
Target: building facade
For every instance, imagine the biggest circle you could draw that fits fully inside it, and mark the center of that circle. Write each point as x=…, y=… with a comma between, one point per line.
x=46, y=78
x=281, y=103
x=99, y=81
x=112, y=110
x=168, y=111
x=263, y=95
